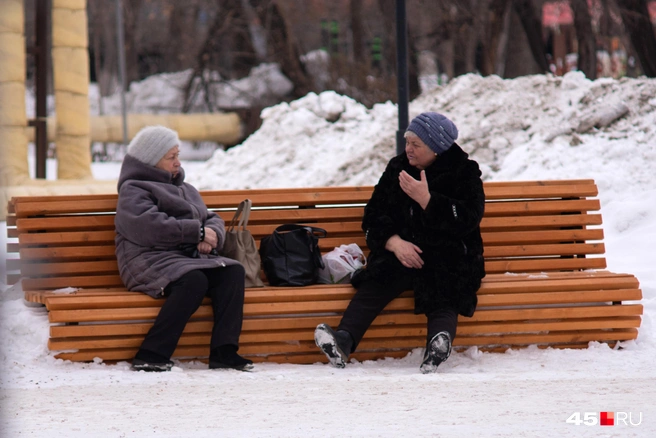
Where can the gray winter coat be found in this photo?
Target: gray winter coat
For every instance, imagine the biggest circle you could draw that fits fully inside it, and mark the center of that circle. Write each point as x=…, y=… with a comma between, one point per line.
x=158, y=220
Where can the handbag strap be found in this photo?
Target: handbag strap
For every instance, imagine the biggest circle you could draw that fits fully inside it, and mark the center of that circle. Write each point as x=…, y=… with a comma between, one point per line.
x=318, y=232
x=240, y=219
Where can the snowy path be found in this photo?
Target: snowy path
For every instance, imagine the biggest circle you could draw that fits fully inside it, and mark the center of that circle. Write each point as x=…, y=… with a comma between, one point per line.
x=315, y=400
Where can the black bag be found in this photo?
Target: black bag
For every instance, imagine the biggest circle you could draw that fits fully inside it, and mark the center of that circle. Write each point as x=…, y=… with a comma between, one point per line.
x=291, y=255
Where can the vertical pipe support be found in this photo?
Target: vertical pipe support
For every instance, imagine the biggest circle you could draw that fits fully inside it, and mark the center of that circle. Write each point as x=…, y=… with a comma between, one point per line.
x=14, y=166
x=70, y=62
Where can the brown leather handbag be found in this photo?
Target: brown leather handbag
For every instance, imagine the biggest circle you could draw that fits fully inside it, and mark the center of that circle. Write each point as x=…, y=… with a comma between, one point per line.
x=240, y=245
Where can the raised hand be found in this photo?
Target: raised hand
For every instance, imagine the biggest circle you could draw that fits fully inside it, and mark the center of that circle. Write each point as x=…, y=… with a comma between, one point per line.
x=417, y=190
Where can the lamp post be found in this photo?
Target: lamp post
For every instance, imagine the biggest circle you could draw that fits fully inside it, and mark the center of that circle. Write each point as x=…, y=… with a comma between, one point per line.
x=120, y=42
x=401, y=73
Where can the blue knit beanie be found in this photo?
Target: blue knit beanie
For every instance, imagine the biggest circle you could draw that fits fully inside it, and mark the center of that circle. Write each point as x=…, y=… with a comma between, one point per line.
x=434, y=129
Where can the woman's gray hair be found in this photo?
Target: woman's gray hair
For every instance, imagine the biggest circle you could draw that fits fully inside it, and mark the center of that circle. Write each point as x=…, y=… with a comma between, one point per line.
x=410, y=134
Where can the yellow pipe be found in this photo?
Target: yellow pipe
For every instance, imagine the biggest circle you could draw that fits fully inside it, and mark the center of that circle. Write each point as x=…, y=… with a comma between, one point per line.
x=223, y=128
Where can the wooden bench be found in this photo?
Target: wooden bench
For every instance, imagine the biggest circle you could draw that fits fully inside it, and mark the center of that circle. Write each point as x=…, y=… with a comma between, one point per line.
x=543, y=249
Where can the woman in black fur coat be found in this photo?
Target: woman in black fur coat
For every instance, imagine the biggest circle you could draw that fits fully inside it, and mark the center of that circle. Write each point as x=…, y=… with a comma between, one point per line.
x=422, y=228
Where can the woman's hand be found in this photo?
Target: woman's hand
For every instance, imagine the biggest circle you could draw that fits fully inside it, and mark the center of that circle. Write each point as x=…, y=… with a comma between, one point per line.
x=210, y=238
x=406, y=252
x=204, y=247
x=417, y=190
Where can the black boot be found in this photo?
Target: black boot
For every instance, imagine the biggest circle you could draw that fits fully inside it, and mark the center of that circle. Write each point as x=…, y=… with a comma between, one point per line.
x=146, y=360
x=336, y=345
x=437, y=351
x=226, y=356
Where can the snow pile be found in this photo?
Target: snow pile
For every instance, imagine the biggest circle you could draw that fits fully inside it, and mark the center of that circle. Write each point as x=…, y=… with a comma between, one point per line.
x=526, y=128
x=165, y=93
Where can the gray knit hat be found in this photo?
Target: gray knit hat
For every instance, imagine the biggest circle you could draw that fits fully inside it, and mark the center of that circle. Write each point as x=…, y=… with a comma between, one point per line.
x=152, y=143
x=434, y=129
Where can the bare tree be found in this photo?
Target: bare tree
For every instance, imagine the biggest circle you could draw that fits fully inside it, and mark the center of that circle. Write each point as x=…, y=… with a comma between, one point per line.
x=587, y=60
x=102, y=37
x=283, y=46
x=182, y=21
x=495, y=37
x=635, y=16
x=388, y=13
x=131, y=10
x=207, y=57
x=532, y=25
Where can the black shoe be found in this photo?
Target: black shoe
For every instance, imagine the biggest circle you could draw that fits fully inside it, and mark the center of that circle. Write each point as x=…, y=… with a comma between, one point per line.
x=437, y=351
x=336, y=345
x=142, y=365
x=226, y=357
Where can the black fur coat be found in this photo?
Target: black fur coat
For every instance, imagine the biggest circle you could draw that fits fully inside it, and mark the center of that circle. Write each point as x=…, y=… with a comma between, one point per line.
x=447, y=232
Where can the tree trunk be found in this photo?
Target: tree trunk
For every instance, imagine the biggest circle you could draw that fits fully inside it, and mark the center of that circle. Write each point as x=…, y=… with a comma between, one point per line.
x=182, y=23
x=587, y=61
x=284, y=49
x=476, y=34
x=388, y=11
x=635, y=17
x=103, y=35
x=357, y=29
x=493, y=17
x=131, y=11
x=258, y=35
x=501, y=48
x=533, y=28
x=359, y=61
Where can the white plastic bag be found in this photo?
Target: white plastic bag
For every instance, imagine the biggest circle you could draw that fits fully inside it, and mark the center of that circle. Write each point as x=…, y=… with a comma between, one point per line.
x=341, y=263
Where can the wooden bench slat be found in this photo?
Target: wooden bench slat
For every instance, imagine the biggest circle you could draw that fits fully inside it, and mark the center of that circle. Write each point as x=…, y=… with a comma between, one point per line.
x=509, y=283
x=310, y=196
x=329, y=293
x=545, y=182
x=539, y=222
x=391, y=337
x=567, y=297
x=493, y=209
x=189, y=344
x=539, y=265
x=59, y=254
x=308, y=323
x=527, y=299
x=550, y=191
x=564, y=249
x=375, y=332
x=24, y=206
x=68, y=238
x=106, y=223
x=537, y=237
x=75, y=282
x=493, y=284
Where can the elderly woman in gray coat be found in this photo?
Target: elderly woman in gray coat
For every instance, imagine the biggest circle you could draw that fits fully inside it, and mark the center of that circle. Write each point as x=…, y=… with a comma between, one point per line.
x=166, y=246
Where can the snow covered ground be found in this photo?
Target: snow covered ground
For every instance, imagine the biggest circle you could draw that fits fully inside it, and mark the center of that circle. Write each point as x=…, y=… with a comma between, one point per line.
x=527, y=128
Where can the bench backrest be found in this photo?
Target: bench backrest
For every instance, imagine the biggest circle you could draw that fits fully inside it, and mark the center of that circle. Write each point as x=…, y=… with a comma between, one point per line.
x=529, y=227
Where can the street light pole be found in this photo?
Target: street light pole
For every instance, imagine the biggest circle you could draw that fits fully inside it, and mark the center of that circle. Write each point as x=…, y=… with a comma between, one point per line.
x=401, y=73
x=120, y=42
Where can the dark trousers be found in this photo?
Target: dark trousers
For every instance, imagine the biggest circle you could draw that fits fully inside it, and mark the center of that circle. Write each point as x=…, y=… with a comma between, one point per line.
x=372, y=297
x=225, y=286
